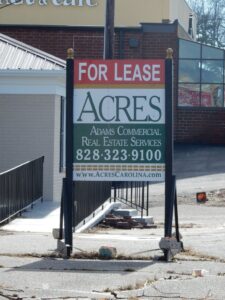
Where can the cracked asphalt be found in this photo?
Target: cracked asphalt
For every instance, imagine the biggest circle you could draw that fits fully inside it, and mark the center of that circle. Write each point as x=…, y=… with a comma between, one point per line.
x=31, y=269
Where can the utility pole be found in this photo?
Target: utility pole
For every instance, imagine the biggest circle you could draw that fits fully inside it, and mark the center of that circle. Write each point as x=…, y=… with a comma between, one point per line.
x=109, y=29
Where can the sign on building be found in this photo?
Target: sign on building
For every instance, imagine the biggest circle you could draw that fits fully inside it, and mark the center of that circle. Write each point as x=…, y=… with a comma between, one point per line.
x=119, y=120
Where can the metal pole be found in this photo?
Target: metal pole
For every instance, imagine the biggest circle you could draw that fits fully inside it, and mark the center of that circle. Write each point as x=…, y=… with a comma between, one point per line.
x=62, y=211
x=68, y=204
x=108, y=51
x=131, y=192
x=169, y=143
x=176, y=210
x=147, y=198
x=109, y=29
x=143, y=199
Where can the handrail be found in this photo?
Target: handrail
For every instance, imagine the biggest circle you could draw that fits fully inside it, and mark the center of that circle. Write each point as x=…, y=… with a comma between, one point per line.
x=89, y=196
x=20, y=187
x=134, y=194
x=12, y=169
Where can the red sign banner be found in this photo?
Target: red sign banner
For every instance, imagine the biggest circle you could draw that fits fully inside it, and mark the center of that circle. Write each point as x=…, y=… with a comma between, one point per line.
x=118, y=72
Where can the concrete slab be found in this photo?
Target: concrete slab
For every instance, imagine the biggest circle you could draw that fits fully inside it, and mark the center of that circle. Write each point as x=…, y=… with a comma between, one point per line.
x=146, y=219
x=125, y=212
x=42, y=218
x=47, y=278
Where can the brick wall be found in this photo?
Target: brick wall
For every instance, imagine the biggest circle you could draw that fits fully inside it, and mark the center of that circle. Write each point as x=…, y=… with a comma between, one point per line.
x=89, y=43
x=191, y=125
x=56, y=41
x=201, y=126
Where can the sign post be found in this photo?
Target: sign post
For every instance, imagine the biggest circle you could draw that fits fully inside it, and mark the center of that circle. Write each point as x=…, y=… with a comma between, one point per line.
x=169, y=144
x=170, y=245
x=67, y=199
x=120, y=128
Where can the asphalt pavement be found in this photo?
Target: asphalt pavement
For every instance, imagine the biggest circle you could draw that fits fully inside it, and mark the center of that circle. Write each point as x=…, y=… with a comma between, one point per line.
x=30, y=267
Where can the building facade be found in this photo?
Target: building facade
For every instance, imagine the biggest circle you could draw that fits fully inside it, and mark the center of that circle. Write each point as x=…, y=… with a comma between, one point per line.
x=32, y=87
x=143, y=29
x=128, y=13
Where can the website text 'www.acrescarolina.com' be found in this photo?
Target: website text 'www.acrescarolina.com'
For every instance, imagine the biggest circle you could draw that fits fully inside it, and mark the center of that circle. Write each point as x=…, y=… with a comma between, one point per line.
x=118, y=175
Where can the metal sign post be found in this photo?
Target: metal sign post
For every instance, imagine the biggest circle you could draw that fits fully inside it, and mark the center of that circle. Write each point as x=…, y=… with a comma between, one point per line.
x=120, y=128
x=169, y=143
x=68, y=181
x=169, y=244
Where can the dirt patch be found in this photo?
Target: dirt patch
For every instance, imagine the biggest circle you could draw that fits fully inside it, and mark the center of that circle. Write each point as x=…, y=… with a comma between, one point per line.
x=192, y=255
x=4, y=232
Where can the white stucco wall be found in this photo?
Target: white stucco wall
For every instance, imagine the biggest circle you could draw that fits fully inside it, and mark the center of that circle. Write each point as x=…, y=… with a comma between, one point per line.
x=30, y=128
x=57, y=176
x=179, y=9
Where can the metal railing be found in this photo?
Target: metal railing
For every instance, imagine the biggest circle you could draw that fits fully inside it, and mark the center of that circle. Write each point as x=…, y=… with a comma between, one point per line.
x=20, y=187
x=134, y=194
x=88, y=196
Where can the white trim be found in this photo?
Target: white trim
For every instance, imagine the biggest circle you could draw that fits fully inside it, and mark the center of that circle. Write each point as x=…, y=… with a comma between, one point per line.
x=26, y=82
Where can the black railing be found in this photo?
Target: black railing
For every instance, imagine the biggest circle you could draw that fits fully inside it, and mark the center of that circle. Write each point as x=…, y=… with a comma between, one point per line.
x=134, y=194
x=20, y=187
x=88, y=196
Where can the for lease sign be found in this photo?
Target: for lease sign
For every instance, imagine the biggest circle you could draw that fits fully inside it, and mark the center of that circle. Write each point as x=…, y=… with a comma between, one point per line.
x=119, y=120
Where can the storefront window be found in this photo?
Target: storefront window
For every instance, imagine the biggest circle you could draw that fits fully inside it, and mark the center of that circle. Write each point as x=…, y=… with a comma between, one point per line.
x=189, y=49
x=212, y=71
x=201, y=75
x=189, y=94
x=189, y=71
x=212, y=95
x=211, y=53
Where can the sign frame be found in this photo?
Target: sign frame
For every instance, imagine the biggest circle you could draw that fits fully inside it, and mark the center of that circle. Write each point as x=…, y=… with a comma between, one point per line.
x=119, y=120
x=67, y=204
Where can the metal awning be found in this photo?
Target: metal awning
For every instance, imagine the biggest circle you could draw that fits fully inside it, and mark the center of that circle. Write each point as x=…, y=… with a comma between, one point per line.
x=15, y=55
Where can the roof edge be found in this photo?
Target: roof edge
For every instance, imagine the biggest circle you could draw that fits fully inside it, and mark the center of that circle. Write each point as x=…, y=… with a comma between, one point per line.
x=32, y=50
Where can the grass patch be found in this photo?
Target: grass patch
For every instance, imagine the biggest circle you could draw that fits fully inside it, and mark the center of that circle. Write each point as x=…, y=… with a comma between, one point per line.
x=191, y=254
x=79, y=255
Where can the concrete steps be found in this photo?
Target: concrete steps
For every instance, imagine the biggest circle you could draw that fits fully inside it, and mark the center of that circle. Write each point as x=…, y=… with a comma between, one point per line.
x=133, y=213
x=129, y=218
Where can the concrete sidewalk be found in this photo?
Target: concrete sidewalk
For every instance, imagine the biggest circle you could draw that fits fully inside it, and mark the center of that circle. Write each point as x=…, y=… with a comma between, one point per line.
x=43, y=217
x=29, y=267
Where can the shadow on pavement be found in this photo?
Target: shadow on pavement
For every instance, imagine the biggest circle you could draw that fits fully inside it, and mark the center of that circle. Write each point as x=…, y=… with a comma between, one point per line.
x=56, y=265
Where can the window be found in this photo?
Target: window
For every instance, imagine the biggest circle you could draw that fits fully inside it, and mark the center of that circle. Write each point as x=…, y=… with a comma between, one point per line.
x=212, y=71
x=209, y=52
x=189, y=94
x=189, y=50
x=189, y=71
x=201, y=76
